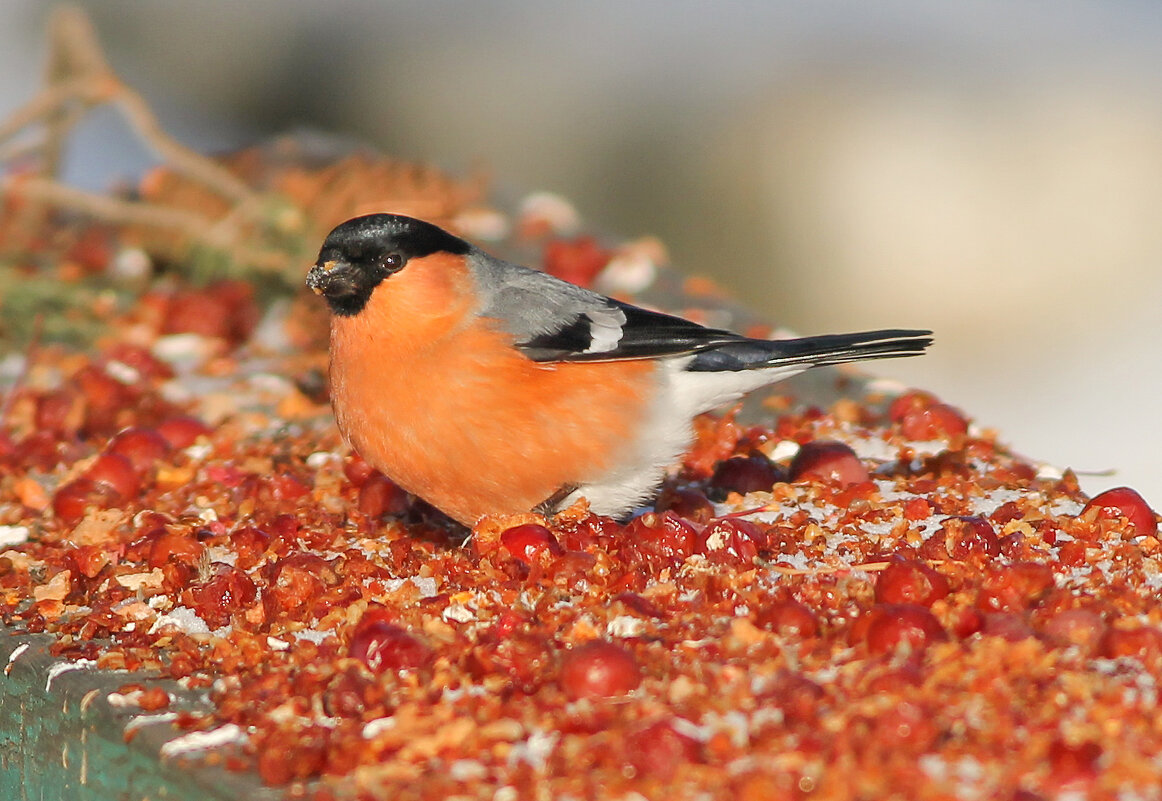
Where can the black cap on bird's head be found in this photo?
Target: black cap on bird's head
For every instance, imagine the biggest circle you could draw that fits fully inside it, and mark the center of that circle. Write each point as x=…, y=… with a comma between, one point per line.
x=360, y=253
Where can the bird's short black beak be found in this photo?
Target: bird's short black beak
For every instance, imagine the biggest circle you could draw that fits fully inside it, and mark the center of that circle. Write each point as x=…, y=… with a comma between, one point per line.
x=345, y=286
x=332, y=278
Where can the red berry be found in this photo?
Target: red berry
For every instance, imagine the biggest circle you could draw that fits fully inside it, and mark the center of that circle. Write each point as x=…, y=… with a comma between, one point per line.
x=577, y=261
x=357, y=470
x=572, y=566
x=688, y=503
x=379, y=495
x=599, y=669
x=140, y=359
x=180, y=666
x=182, y=431
x=664, y=537
x=105, y=397
x=745, y=474
x=284, y=531
x=910, y=582
x=90, y=559
x=1015, y=546
x=7, y=449
x=115, y=472
x=1015, y=587
x=896, y=679
x=905, y=724
x=226, y=475
x=523, y=658
x=348, y=693
x=1072, y=553
x=798, y=697
x=285, y=757
x=1123, y=502
x=167, y=546
x=732, y=536
x=1076, y=627
x=658, y=750
x=72, y=500
x=788, y=618
x=1007, y=626
x=527, y=542
x=295, y=582
x=248, y=543
x=153, y=699
x=894, y=626
x=967, y=622
x=592, y=532
x=969, y=536
x=940, y=421
x=1006, y=512
x=922, y=417
x=195, y=312
x=57, y=411
x=1141, y=642
x=917, y=509
x=285, y=487
x=508, y=622
x=823, y=460
x=384, y=646
x=144, y=447
x=40, y=449
x=1073, y=766
x=229, y=590
x=225, y=310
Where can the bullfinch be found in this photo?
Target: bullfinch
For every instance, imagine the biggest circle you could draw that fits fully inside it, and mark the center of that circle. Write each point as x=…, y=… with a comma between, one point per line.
x=485, y=387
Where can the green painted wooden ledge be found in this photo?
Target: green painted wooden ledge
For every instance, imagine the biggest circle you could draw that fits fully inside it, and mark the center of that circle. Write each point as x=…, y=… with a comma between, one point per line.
x=62, y=739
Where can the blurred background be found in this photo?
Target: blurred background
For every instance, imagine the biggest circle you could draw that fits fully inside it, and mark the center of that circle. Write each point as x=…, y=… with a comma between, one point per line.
x=987, y=169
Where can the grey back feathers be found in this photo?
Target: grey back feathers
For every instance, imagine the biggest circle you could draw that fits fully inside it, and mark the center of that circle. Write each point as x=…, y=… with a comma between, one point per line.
x=555, y=321
x=550, y=319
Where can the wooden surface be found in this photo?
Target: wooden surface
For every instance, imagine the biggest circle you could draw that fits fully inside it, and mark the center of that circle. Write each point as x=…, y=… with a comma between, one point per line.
x=68, y=741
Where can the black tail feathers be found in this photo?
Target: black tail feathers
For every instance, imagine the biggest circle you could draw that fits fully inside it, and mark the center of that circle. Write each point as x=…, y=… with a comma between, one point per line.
x=754, y=354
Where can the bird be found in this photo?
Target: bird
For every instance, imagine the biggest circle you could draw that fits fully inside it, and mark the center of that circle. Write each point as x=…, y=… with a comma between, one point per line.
x=485, y=387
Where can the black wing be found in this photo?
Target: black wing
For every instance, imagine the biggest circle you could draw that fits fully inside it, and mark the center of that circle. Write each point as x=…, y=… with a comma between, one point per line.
x=619, y=331
x=646, y=334
x=554, y=321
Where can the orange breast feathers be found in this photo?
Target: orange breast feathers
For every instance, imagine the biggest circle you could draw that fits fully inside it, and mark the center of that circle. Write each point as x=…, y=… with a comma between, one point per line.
x=441, y=403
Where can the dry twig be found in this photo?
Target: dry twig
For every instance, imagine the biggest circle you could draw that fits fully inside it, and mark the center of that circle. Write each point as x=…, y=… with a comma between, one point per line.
x=78, y=79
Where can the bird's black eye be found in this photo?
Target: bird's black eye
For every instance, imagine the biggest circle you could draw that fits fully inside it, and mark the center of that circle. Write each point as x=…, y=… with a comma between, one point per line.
x=393, y=262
